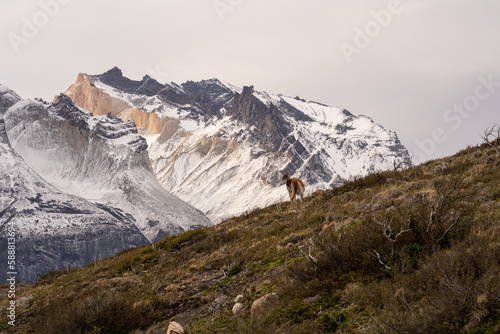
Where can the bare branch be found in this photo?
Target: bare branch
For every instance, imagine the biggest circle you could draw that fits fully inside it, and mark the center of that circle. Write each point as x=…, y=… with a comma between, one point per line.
x=309, y=257
x=477, y=284
x=401, y=232
x=457, y=220
x=401, y=164
x=443, y=199
x=441, y=202
x=380, y=260
x=432, y=218
x=491, y=137
x=387, y=230
x=286, y=323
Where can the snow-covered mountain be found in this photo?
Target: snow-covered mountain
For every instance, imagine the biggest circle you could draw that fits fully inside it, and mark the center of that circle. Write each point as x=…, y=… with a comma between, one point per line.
x=77, y=187
x=223, y=149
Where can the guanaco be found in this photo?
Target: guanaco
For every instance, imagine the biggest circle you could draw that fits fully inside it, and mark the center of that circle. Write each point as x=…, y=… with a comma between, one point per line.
x=294, y=186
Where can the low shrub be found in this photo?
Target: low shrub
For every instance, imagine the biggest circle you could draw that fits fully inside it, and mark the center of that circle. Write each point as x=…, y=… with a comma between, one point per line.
x=94, y=312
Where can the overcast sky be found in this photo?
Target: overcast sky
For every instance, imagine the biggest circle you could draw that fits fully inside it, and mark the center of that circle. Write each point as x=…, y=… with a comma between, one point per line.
x=427, y=69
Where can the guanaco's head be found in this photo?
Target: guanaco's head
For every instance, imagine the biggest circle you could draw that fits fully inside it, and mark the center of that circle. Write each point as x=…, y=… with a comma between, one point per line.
x=285, y=177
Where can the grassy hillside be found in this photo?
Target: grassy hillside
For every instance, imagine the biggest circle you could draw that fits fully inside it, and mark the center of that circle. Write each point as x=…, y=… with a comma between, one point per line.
x=412, y=251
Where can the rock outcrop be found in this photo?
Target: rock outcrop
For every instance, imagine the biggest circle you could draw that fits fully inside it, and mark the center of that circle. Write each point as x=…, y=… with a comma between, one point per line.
x=89, y=97
x=259, y=305
x=238, y=308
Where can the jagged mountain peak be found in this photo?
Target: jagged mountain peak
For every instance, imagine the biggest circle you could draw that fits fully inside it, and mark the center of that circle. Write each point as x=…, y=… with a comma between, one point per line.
x=147, y=86
x=211, y=92
x=214, y=82
x=65, y=107
x=7, y=98
x=115, y=71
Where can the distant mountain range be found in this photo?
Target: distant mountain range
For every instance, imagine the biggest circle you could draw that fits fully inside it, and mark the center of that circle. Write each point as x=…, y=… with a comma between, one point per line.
x=223, y=149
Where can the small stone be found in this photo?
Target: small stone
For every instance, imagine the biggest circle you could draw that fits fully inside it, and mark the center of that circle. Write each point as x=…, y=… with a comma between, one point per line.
x=259, y=304
x=23, y=300
x=237, y=308
x=219, y=303
x=175, y=328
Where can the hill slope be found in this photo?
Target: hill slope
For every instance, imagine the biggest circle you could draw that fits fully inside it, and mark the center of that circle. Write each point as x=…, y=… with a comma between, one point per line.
x=395, y=252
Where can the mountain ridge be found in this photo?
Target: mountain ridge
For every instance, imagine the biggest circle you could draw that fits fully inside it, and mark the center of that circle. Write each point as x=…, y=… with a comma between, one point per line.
x=272, y=133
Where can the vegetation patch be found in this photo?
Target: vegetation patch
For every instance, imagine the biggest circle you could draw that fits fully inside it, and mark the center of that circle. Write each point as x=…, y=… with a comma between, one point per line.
x=176, y=242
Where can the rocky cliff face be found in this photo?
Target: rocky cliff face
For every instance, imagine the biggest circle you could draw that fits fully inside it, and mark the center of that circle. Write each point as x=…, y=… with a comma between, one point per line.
x=89, y=97
x=77, y=187
x=223, y=148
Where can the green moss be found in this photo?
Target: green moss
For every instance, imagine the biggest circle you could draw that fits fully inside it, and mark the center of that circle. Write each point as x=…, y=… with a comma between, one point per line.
x=317, y=219
x=272, y=263
x=295, y=260
x=354, y=223
x=414, y=252
x=297, y=313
